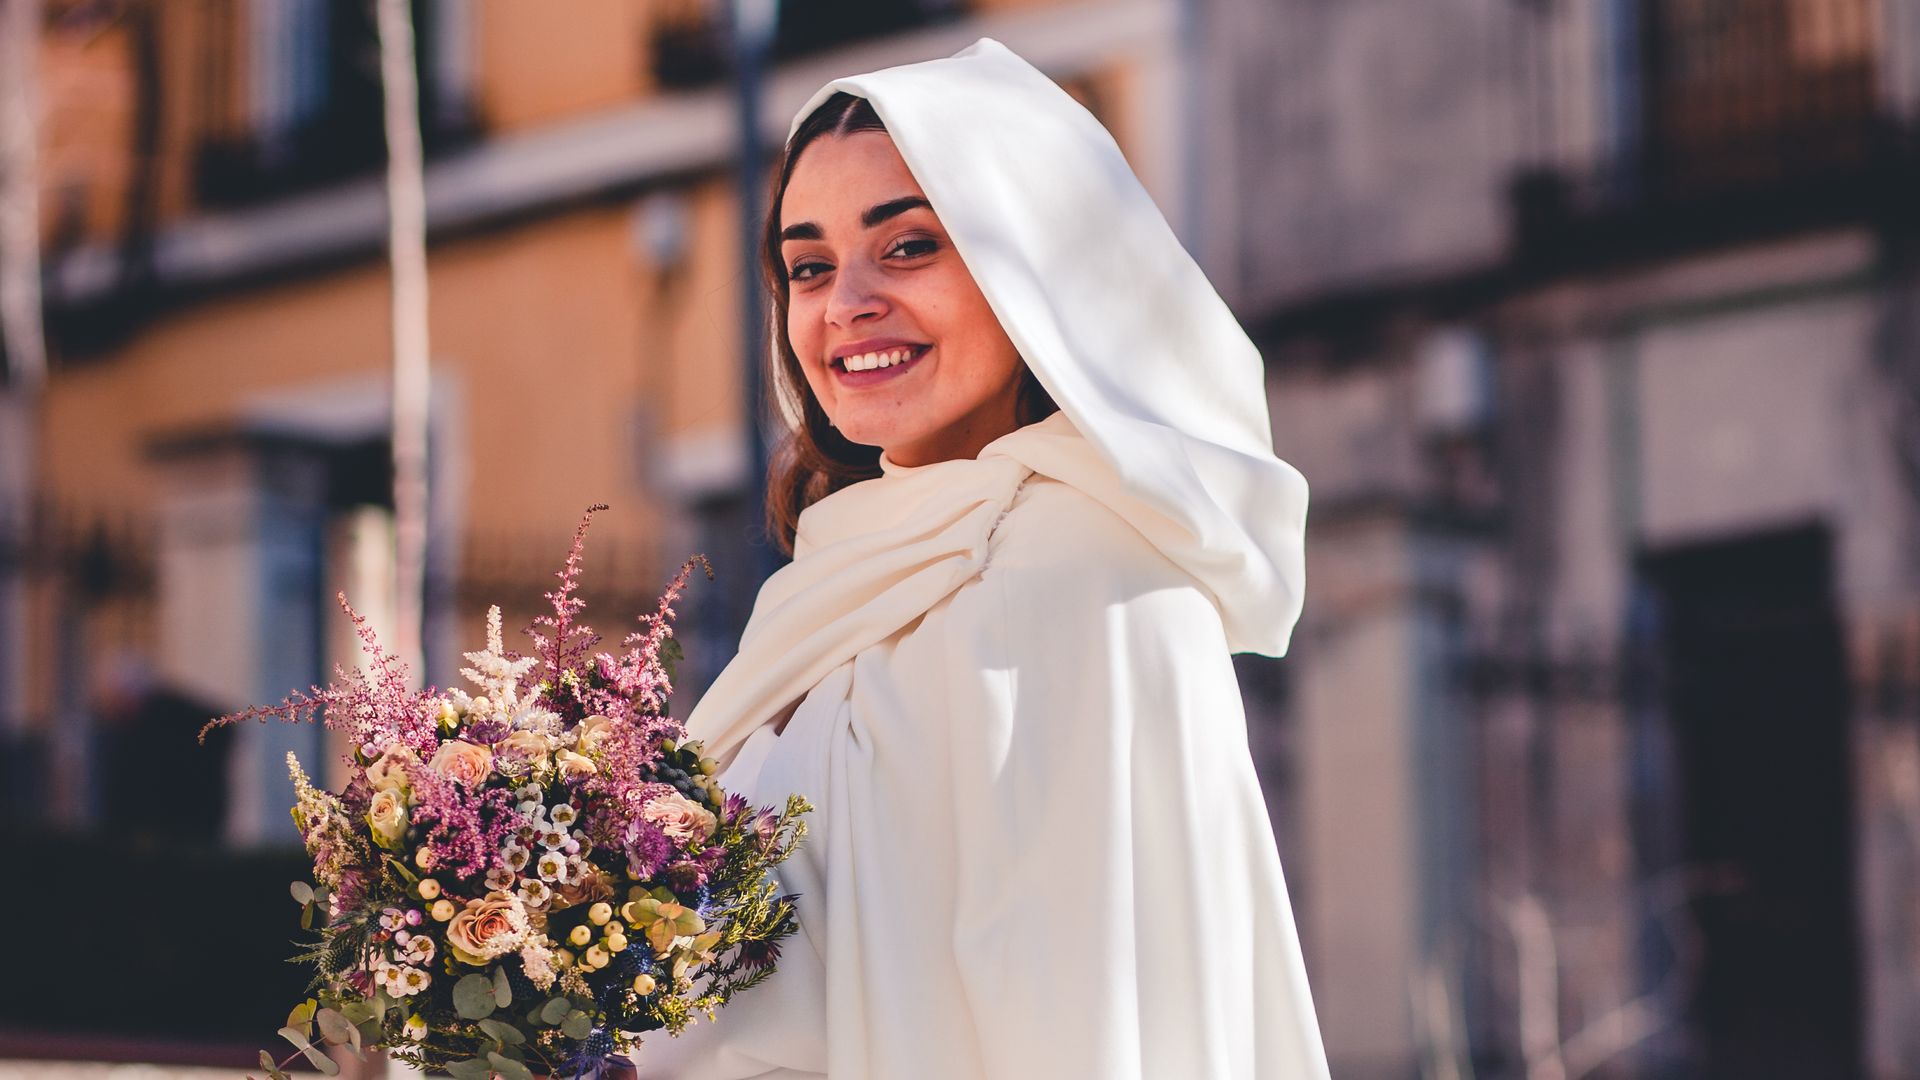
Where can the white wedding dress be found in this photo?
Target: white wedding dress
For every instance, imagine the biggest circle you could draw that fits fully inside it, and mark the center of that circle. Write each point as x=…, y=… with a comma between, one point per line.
x=1039, y=847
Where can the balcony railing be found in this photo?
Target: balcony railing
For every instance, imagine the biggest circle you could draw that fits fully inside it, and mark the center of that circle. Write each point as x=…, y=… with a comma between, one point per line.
x=691, y=47
x=1735, y=116
x=315, y=119
x=1741, y=93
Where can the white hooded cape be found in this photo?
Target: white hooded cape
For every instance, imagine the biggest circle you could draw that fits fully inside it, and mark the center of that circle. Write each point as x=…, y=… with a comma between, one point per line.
x=1039, y=847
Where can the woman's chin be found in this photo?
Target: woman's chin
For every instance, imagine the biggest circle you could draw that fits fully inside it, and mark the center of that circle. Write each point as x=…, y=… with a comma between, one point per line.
x=885, y=436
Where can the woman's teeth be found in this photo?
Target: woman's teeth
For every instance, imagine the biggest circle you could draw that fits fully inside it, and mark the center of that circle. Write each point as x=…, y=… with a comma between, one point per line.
x=884, y=358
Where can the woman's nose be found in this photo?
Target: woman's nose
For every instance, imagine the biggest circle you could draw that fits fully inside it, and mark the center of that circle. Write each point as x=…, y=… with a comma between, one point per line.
x=855, y=292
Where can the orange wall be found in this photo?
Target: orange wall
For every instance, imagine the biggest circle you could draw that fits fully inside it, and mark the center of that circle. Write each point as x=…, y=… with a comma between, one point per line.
x=550, y=328
x=87, y=90
x=536, y=67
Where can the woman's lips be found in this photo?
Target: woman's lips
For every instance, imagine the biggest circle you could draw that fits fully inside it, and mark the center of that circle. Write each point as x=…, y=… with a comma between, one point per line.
x=880, y=375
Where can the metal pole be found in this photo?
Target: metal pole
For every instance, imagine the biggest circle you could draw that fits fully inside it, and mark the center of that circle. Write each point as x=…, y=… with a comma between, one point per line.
x=753, y=27
x=407, y=249
x=24, y=338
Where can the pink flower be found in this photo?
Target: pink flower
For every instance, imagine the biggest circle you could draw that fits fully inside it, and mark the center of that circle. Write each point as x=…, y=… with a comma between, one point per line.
x=487, y=928
x=683, y=820
x=462, y=762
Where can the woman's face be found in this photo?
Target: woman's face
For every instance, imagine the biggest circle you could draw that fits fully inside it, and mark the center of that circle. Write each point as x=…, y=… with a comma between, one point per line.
x=870, y=270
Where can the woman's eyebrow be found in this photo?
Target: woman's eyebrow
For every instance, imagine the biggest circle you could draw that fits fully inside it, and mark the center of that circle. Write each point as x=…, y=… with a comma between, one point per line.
x=874, y=215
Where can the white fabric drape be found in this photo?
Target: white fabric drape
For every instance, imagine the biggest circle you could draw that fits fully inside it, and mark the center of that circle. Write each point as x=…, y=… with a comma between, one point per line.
x=1039, y=847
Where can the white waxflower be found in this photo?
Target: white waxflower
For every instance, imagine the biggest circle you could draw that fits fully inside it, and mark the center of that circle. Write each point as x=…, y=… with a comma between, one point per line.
x=563, y=815
x=499, y=879
x=418, y=949
x=552, y=866
x=516, y=856
x=408, y=981
x=535, y=893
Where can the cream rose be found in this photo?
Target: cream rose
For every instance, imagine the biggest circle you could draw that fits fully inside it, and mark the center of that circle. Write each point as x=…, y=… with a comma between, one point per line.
x=574, y=766
x=387, y=817
x=487, y=928
x=683, y=820
x=592, y=733
x=462, y=762
x=520, y=753
x=389, y=771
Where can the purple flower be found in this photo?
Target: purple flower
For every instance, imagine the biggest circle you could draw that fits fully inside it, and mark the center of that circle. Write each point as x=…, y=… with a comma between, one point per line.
x=488, y=731
x=373, y=708
x=647, y=848
x=465, y=830
x=759, y=953
x=766, y=826
x=351, y=889
x=692, y=872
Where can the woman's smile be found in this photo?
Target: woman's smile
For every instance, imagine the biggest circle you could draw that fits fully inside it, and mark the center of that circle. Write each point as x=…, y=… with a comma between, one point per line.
x=854, y=380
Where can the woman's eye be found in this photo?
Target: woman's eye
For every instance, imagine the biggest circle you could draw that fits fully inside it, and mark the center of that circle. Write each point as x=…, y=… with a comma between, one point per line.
x=908, y=248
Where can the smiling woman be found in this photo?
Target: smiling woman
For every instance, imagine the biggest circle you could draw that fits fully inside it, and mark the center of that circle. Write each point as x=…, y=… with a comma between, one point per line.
x=999, y=664
x=880, y=321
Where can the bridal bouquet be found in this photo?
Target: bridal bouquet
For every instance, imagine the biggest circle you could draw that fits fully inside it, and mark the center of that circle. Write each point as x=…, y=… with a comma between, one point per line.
x=527, y=875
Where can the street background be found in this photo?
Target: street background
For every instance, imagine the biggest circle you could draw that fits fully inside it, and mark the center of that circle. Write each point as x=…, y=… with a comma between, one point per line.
x=1594, y=326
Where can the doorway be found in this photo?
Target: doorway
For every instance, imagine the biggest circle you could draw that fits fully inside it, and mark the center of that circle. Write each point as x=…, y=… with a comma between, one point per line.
x=1757, y=704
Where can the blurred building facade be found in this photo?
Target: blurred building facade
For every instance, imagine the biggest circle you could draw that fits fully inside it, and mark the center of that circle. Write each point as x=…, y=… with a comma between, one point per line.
x=1593, y=323
x=212, y=449
x=209, y=459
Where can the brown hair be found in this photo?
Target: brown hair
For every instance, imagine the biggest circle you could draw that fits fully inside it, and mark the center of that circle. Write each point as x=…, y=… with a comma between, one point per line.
x=816, y=460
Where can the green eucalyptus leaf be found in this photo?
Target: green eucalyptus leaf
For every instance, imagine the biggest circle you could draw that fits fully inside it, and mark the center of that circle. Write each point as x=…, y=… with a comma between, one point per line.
x=473, y=997
x=302, y=1015
x=335, y=1028
x=306, y=917
x=577, y=1025
x=295, y=1036
x=302, y=892
x=358, y=1012
x=320, y=1060
x=508, y=1067
x=470, y=1069
x=273, y=1068
x=502, y=989
x=503, y=1032
x=555, y=1011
